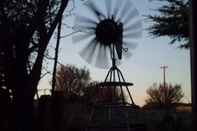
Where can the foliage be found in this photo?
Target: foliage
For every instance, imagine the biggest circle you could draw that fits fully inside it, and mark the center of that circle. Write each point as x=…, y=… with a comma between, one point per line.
x=72, y=80
x=161, y=96
x=173, y=21
x=26, y=28
x=75, y=83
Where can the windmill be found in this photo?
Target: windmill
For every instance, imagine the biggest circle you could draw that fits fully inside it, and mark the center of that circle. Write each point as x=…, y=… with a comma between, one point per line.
x=109, y=34
x=117, y=27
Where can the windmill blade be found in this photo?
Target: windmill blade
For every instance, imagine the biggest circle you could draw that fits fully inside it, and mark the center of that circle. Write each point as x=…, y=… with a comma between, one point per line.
x=131, y=15
x=134, y=26
x=124, y=10
x=118, y=6
x=136, y=34
x=102, y=57
x=108, y=5
x=107, y=20
x=80, y=37
x=95, y=10
x=129, y=45
x=82, y=28
x=86, y=20
x=87, y=53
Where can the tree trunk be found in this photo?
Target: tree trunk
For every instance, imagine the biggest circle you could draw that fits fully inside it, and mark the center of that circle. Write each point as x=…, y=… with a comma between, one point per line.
x=22, y=83
x=22, y=91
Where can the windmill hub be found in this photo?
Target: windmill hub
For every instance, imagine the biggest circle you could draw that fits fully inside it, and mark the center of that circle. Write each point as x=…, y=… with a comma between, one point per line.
x=108, y=32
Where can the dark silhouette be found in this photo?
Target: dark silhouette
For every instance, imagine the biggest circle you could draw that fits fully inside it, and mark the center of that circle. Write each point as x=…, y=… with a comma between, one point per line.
x=160, y=96
x=56, y=55
x=177, y=20
x=193, y=65
x=173, y=21
x=72, y=81
x=95, y=94
x=26, y=28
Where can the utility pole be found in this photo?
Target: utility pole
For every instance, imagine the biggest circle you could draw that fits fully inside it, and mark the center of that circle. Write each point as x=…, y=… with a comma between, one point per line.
x=164, y=74
x=56, y=55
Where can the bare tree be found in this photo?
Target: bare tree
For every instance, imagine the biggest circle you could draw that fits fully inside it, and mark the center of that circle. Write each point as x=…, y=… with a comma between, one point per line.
x=161, y=96
x=71, y=80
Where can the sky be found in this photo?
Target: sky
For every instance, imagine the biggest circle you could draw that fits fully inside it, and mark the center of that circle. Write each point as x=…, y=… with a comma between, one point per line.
x=143, y=68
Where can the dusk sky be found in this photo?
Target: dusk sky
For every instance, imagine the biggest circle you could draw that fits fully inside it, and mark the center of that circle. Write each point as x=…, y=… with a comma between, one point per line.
x=143, y=68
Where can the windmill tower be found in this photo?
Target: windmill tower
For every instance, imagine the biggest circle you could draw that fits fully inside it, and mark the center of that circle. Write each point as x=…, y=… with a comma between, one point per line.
x=110, y=36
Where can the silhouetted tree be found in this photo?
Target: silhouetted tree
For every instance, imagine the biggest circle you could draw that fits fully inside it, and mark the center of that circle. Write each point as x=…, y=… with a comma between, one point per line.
x=72, y=80
x=26, y=28
x=75, y=83
x=160, y=96
x=173, y=21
